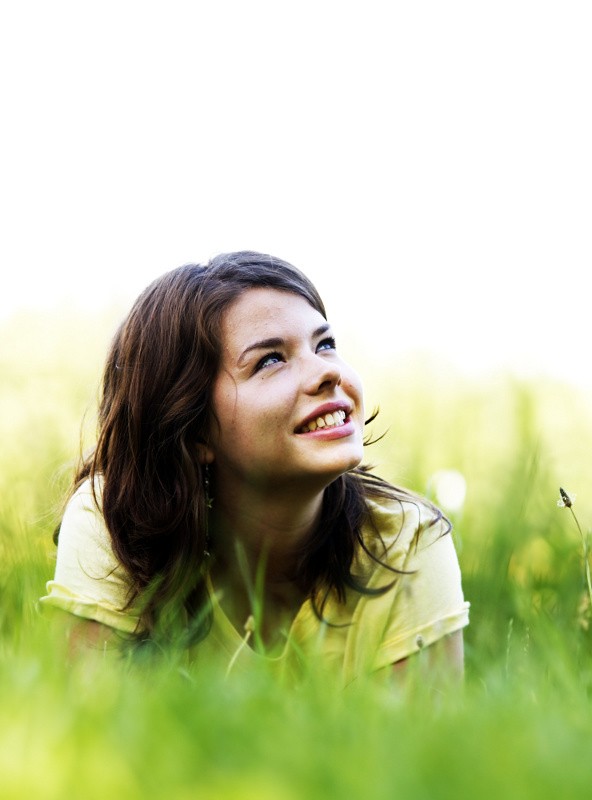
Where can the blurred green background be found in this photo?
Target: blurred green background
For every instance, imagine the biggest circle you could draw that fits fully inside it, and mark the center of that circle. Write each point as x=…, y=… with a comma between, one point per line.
x=428, y=165
x=522, y=725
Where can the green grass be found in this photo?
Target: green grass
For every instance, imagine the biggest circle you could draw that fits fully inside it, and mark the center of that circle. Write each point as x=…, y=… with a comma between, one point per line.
x=521, y=727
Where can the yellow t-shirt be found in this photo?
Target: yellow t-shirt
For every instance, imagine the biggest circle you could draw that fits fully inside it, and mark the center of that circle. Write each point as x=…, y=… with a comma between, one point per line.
x=365, y=633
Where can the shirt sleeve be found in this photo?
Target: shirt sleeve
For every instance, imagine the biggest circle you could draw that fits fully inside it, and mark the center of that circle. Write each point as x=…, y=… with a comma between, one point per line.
x=89, y=581
x=427, y=603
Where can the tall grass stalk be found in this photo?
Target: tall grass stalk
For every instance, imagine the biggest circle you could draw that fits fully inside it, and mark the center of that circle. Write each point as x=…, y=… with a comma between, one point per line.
x=567, y=502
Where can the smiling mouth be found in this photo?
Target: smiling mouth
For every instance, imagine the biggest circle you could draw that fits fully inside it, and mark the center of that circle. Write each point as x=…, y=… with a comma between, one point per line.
x=334, y=420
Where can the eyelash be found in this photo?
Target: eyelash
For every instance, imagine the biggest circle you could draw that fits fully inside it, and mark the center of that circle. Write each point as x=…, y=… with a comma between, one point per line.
x=261, y=364
x=330, y=340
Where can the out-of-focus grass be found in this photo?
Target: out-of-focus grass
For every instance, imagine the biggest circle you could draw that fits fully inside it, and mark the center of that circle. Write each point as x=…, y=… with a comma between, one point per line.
x=515, y=442
x=521, y=727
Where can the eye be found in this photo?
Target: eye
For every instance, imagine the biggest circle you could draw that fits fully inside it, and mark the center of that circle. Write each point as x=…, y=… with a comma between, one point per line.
x=326, y=344
x=268, y=360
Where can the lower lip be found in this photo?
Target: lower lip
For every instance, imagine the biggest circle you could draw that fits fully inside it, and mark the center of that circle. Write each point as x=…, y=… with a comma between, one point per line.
x=334, y=432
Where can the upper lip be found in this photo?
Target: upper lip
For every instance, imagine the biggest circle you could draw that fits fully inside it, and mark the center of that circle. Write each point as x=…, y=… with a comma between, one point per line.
x=326, y=408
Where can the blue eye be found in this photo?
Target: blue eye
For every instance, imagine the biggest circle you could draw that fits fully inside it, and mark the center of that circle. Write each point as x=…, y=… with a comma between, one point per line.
x=326, y=344
x=268, y=360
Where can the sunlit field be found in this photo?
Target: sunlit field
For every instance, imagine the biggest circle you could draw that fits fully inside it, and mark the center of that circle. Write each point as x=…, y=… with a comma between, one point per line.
x=522, y=725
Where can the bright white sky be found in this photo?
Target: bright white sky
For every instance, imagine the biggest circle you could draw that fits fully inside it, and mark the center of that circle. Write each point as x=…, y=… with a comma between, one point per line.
x=428, y=164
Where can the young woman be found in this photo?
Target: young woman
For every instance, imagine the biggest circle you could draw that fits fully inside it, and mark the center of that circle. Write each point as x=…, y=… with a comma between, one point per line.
x=224, y=506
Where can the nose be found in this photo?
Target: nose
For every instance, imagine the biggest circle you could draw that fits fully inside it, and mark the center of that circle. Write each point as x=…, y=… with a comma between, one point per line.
x=321, y=374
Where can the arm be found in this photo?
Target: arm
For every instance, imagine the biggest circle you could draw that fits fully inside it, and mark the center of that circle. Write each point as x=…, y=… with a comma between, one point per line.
x=425, y=615
x=83, y=637
x=86, y=635
x=440, y=664
x=88, y=596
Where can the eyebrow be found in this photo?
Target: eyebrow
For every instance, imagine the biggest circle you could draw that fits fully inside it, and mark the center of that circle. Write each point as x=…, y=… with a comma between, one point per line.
x=276, y=341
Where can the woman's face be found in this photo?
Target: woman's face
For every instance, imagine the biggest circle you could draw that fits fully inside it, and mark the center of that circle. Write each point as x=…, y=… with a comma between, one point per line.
x=287, y=410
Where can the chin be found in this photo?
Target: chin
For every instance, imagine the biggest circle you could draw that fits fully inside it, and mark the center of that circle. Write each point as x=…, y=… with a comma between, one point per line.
x=345, y=465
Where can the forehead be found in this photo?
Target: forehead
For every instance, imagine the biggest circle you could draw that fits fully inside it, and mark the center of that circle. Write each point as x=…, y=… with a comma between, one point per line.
x=262, y=313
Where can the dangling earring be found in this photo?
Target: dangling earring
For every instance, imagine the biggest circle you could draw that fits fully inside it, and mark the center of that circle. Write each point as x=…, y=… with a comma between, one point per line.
x=209, y=503
x=209, y=500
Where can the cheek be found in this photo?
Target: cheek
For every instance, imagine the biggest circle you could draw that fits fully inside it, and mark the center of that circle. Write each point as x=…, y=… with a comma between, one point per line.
x=353, y=386
x=242, y=418
x=224, y=410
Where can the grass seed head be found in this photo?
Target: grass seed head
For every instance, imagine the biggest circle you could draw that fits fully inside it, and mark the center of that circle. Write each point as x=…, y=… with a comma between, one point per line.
x=565, y=501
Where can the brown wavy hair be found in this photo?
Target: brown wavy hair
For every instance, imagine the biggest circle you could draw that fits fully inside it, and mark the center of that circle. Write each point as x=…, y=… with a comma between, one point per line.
x=154, y=413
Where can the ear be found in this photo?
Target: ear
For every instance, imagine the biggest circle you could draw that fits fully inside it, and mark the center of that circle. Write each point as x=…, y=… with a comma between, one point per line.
x=205, y=454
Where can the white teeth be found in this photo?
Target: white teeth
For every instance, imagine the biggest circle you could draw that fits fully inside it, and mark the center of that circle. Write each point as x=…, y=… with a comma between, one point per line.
x=327, y=421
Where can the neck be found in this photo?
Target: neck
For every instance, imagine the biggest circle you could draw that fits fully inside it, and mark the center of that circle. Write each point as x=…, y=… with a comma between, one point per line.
x=257, y=544
x=266, y=528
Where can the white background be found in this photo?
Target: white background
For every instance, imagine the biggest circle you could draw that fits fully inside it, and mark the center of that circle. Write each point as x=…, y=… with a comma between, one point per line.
x=428, y=164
